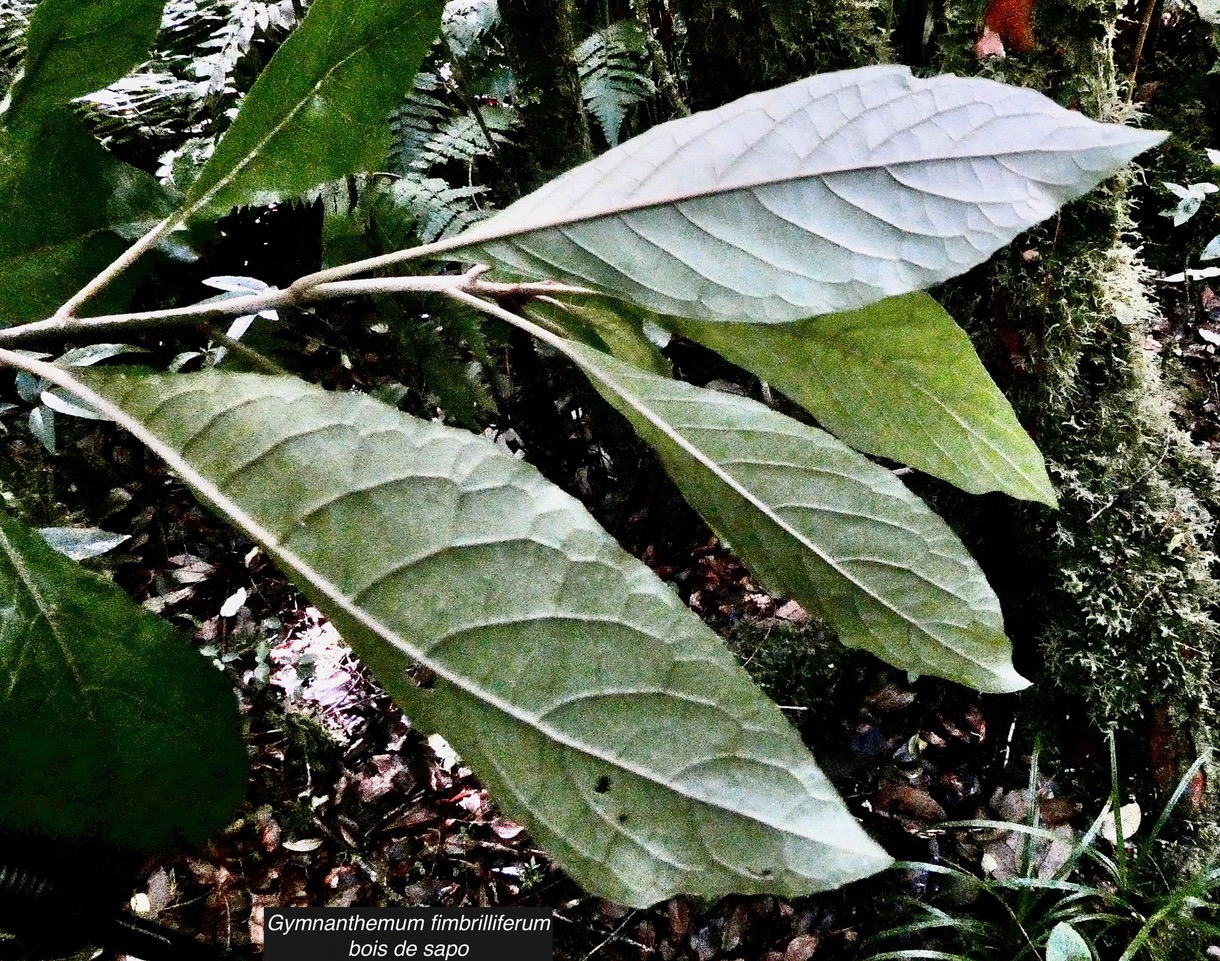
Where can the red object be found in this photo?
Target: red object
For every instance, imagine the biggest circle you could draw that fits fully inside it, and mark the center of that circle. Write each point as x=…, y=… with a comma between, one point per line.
x=1013, y=22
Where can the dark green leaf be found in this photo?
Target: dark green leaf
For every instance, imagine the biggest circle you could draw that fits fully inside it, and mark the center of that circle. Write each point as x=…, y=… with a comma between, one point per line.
x=112, y=729
x=898, y=379
x=77, y=46
x=321, y=108
x=62, y=197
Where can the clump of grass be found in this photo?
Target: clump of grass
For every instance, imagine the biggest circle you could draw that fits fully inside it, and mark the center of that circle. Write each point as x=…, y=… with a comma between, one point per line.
x=1094, y=905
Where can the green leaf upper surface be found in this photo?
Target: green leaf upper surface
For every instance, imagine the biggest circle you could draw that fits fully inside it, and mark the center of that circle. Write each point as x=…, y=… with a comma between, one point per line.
x=603, y=323
x=898, y=379
x=74, y=47
x=320, y=109
x=821, y=196
x=112, y=729
x=597, y=708
x=818, y=522
x=62, y=198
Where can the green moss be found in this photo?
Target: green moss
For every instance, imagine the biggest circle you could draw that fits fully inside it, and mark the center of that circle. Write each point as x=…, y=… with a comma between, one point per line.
x=1133, y=587
x=1123, y=587
x=804, y=667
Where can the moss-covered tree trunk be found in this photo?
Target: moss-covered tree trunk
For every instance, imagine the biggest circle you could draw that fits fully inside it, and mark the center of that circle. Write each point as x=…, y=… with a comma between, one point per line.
x=539, y=42
x=1113, y=599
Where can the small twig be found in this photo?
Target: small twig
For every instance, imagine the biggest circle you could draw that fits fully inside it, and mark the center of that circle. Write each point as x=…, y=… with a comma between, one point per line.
x=611, y=936
x=1139, y=48
x=150, y=239
x=546, y=334
x=63, y=326
x=422, y=252
x=442, y=285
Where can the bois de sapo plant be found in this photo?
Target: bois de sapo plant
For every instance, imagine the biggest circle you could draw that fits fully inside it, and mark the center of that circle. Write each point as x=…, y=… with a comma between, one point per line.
x=790, y=230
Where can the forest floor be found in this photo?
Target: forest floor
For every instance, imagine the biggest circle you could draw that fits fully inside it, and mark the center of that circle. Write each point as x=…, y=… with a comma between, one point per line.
x=351, y=806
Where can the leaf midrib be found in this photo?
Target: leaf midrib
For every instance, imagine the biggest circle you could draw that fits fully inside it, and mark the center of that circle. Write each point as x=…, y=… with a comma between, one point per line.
x=619, y=209
x=30, y=582
x=887, y=372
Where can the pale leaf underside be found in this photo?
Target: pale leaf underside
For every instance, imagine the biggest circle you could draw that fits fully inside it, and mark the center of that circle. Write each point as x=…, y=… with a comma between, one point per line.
x=824, y=195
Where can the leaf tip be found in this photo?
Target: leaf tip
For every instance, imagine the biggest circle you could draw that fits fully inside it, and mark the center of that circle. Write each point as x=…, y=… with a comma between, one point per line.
x=1006, y=681
x=1147, y=139
x=1044, y=493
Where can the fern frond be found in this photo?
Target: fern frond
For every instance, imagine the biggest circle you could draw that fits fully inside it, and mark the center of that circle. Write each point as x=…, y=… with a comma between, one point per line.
x=244, y=22
x=14, y=19
x=611, y=65
x=462, y=139
x=153, y=105
x=189, y=89
x=185, y=24
x=438, y=209
x=413, y=124
x=369, y=215
x=465, y=25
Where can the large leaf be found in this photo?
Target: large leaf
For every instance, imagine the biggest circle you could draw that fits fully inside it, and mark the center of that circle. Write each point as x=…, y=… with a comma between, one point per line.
x=898, y=379
x=74, y=47
x=818, y=522
x=113, y=730
x=321, y=108
x=599, y=709
x=821, y=196
x=64, y=200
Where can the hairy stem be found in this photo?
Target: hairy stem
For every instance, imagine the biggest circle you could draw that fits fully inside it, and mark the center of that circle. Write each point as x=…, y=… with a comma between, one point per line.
x=421, y=252
x=547, y=335
x=58, y=327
